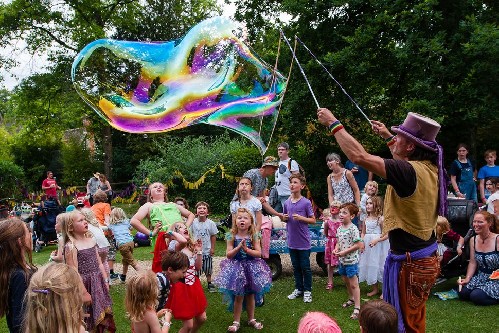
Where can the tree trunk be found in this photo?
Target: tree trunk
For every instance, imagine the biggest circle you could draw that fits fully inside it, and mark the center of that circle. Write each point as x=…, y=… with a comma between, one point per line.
x=107, y=145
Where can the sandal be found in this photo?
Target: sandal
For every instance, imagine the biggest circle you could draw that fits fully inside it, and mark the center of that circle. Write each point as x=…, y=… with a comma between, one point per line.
x=234, y=327
x=329, y=286
x=355, y=314
x=348, y=303
x=255, y=324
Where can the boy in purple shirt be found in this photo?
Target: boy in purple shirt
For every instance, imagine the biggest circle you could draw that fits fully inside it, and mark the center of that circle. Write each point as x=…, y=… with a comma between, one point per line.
x=298, y=214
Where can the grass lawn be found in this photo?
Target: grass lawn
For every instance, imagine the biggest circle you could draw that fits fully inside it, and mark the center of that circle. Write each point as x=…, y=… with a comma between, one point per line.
x=282, y=315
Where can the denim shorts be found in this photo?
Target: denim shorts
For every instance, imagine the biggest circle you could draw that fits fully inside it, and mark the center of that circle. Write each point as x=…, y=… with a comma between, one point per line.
x=348, y=270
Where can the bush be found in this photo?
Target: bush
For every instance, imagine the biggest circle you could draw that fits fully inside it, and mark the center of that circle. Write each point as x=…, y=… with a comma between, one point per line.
x=77, y=162
x=11, y=179
x=193, y=157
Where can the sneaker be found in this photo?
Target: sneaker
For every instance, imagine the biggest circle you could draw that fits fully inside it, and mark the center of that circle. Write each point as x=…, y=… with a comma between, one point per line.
x=114, y=276
x=295, y=294
x=122, y=278
x=307, y=297
x=211, y=288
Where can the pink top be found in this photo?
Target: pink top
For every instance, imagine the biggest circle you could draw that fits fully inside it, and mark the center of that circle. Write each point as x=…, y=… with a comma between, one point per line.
x=332, y=226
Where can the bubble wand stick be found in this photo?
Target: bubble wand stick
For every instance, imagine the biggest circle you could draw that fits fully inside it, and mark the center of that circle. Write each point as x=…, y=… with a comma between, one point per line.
x=332, y=77
x=299, y=66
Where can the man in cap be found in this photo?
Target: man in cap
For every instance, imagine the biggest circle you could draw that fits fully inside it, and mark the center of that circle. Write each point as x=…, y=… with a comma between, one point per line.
x=259, y=176
x=415, y=196
x=92, y=187
x=287, y=166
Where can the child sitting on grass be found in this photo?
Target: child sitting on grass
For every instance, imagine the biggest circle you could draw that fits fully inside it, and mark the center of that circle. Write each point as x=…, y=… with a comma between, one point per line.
x=445, y=233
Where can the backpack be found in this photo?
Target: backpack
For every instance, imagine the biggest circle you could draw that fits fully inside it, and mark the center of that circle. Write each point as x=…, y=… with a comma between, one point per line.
x=273, y=196
x=301, y=171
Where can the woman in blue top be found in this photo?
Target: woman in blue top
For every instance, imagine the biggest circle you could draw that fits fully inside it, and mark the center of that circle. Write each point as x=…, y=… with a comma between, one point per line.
x=463, y=175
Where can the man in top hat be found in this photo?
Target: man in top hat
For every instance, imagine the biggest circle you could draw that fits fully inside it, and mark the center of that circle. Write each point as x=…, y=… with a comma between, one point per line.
x=415, y=195
x=92, y=187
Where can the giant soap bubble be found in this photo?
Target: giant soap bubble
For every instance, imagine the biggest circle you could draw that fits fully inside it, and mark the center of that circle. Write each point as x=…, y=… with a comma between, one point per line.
x=209, y=76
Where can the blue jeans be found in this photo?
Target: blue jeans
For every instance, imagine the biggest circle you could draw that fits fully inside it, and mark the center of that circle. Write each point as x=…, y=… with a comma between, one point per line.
x=300, y=259
x=280, y=203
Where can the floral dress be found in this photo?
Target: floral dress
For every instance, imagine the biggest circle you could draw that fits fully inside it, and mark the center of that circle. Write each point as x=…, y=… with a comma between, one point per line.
x=342, y=190
x=329, y=257
x=487, y=262
x=101, y=314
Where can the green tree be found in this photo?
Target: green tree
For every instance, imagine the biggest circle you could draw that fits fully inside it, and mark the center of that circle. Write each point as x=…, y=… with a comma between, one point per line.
x=193, y=157
x=61, y=28
x=429, y=56
x=11, y=179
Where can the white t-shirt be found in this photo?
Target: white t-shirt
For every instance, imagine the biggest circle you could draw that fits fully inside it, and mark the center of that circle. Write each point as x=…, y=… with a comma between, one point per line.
x=282, y=176
x=204, y=231
x=490, y=202
x=99, y=236
x=253, y=205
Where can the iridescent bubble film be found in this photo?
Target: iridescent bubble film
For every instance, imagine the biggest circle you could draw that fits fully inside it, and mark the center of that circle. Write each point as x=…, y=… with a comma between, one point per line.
x=209, y=76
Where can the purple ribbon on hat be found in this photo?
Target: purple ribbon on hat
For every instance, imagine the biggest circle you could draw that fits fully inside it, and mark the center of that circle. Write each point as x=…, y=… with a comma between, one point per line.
x=442, y=178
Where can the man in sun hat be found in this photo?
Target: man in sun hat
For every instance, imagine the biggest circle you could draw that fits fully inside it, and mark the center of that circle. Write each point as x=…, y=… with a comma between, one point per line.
x=415, y=196
x=258, y=176
x=92, y=187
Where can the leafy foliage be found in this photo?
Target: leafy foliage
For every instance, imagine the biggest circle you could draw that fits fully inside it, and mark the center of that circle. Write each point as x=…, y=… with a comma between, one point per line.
x=11, y=179
x=193, y=156
x=77, y=161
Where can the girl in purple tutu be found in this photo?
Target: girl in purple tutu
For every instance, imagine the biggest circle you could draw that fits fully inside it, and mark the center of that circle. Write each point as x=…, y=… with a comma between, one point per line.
x=244, y=277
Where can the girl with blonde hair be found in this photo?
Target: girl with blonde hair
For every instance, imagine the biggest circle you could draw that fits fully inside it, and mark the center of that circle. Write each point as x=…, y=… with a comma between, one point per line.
x=140, y=303
x=372, y=258
x=53, y=304
x=244, y=277
x=80, y=252
x=98, y=232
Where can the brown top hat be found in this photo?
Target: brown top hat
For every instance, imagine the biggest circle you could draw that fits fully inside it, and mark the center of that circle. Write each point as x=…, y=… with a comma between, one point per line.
x=419, y=129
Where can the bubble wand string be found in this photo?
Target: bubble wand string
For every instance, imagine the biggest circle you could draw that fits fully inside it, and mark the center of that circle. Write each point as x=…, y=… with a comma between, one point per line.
x=299, y=66
x=332, y=77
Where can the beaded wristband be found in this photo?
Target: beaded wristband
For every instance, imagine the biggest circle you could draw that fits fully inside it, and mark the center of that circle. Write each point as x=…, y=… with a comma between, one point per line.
x=391, y=141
